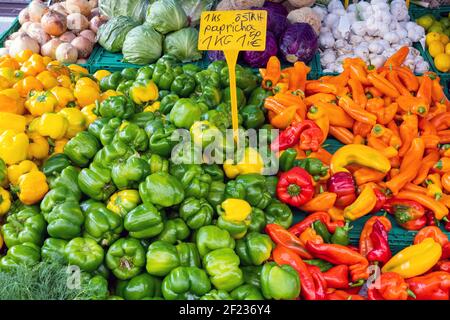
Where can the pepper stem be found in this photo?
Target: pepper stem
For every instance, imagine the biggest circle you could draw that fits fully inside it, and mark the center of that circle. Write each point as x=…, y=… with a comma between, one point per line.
x=294, y=190
x=358, y=283
x=411, y=294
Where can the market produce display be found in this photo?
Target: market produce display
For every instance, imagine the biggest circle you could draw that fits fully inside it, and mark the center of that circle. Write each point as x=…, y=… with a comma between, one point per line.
x=92, y=179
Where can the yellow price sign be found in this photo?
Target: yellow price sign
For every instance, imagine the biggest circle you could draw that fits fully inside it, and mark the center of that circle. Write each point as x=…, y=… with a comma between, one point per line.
x=231, y=32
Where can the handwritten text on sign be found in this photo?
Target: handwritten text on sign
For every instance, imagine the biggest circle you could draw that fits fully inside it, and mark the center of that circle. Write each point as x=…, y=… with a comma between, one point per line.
x=233, y=30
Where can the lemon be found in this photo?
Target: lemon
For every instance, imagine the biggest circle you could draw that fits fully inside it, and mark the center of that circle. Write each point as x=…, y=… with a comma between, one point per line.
x=442, y=62
x=425, y=21
x=436, y=47
x=447, y=48
x=432, y=36
x=436, y=27
x=444, y=39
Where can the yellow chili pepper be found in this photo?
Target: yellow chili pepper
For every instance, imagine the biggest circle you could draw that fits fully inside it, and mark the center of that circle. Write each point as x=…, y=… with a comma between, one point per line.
x=32, y=187
x=143, y=91
x=41, y=102
x=434, y=186
x=100, y=74
x=11, y=121
x=86, y=91
x=38, y=147
x=16, y=170
x=13, y=146
x=33, y=66
x=13, y=76
x=359, y=154
x=415, y=260
x=5, y=205
x=363, y=204
x=47, y=79
x=252, y=162
x=57, y=146
x=75, y=119
x=110, y=93
x=64, y=81
x=153, y=107
x=123, y=201
x=88, y=112
x=53, y=125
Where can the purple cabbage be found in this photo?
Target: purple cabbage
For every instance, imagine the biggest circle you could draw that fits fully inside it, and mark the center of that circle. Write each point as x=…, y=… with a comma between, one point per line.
x=258, y=59
x=276, y=18
x=214, y=55
x=274, y=7
x=299, y=42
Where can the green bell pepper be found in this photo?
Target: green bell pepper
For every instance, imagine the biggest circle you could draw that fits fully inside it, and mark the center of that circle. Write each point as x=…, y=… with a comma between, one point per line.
x=251, y=187
x=253, y=117
x=153, y=125
x=65, y=220
x=140, y=287
x=109, y=130
x=271, y=182
x=4, y=173
x=222, y=265
x=314, y=166
x=188, y=254
x=101, y=224
x=214, y=170
x=130, y=173
x=207, y=78
x=279, y=213
x=163, y=76
x=52, y=166
x=217, y=66
x=102, y=270
x=168, y=102
x=203, y=133
x=321, y=264
x=125, y=258
x=56, y=197
x=145, y=72
x=257, y=220
x=216, y=193
x=185, y=283
x=142, y=118
x=129, y=73
x=110, y=82
x=85, y=253
x=123, y=201
x=184, y=113
x=96, y=182
x=241, y=100
x=193, y=178
x=162, y=257
x=174, y=231
x=96, y=127
x=236, y=228
x=254, y=249
x=252, y=275
x=27, y=225
x=144, y=221
x=209, y=238
x=158, y=164
x=245, y=79
x=215, y=294
x=113, y=153
x=196, y=212
x=279, y=282
x=258, y=95
x=210, y=95
x=161, y=189
x=124, y=86
x=247, y=292
x=183, y=85
x=130, y=134
x=27, y=254
x=67, y=179
x=217, y=118
x=287, y=159
x=116, y=107
x=160, y=141
x=53, y=250
x=190, y=69
x=99, y=286
x=82, y=148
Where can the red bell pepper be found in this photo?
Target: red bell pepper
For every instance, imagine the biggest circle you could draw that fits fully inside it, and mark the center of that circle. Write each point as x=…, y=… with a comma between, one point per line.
x=404, y=210
x=324, y=217
x=333, y=294
x=307, y=133
x=338, y=254
x=343, y=184
x=381, y=251
x=443, y=265
x=282, y=255
x=284, y=238
x=391, y=287
x=366, y=244
x=295, y=187
x=337, y=277
x=432, y=286
x=319, y=282
x=415, y=224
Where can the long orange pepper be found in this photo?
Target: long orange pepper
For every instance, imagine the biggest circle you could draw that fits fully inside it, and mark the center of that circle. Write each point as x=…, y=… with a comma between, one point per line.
x=320, y=117
x=358, y=92
x=438, y=108
x=297, y=80
x=319, y=97
x=382, y=84
x=439, y=209
x=427, y=163
x=388, y=113
x=431, y=140
x=437, y=92
x=441, y=121
x=272, y=74
x=321, y=154
x=356, y=112
x=365, y=175
x=337, y=116
x=445, y=181
x=408, y=131
x=322, y=202
x=361, y=129
x=397, y=58
x=393, y=78
x=408, y=78
x=444, y=136
x=415, y=188
x=378, y=144
x=358, y=73
x=288, y=100
x=412, y=104
x=425, y=88
x=426, y=127
x=442, y=165
x=318, y=86
x=342, y=134
x=339, y=80
x=374, y=92
x=376, y=106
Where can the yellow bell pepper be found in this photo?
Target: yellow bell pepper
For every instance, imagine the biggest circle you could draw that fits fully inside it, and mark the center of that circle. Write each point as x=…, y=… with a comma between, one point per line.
x=359, y=154
x=88, y=112
x=153, y=107
x=11, y=121
x=15, y=171
x=13, y=76
x=13, y=146
x=100, y=74
x=8, y=62
x=110, y=93
x=415, y=260
x=41, y=102
x=27, y=85
x=144, y=91
x=46, y=60
x=86, y=91
x=57, y=146
x=4, y=83
x=23, y=56
x=64, y=81
x=236, y=209
x=33, y=66
x=10, y=101
x=65, y=98
x=122, y=200
x=362, y=205
x=47, y=79
x=39, y=147
x=32, y=187
x=252, y=162
x=75, y=68
x=75, y=119
x=5, y=205
x=57, y=69
x=53, y=125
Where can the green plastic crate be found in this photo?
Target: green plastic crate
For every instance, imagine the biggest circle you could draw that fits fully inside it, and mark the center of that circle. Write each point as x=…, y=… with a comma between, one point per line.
x=399, y=238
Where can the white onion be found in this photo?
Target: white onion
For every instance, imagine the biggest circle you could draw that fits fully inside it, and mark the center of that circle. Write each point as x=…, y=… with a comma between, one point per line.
x=66, y=53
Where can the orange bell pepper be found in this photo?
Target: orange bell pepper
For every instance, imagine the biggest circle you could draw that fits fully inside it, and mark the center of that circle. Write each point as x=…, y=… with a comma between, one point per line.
x=27, y=85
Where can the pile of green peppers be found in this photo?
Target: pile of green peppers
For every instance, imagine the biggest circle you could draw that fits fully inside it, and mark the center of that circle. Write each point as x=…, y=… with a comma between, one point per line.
x=143, y=227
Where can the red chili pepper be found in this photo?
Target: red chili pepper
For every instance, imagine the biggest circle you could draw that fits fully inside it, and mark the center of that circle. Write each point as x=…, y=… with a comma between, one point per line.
x=307, y=133
x=287, y=138
x=379, y=237
x=342, y=295
x=324, y=217
x=431, y=220
x=392, y=287
x=284, y=238
x=337, y=277
x=381, y=200
x=343, y=185
x=295, y=187
x=432, y=286
x=282, y=255
x=319, y=282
